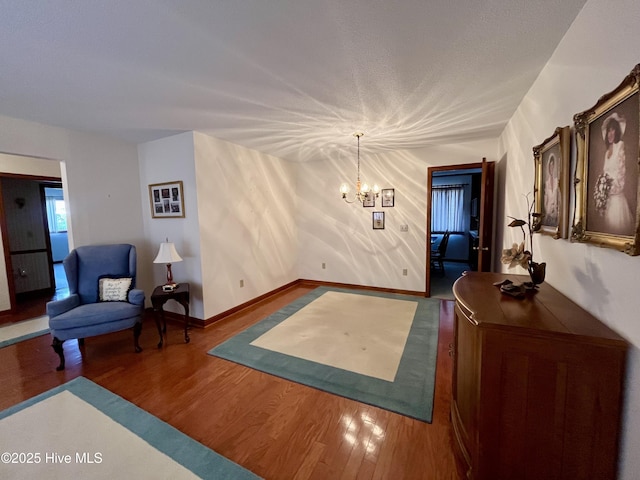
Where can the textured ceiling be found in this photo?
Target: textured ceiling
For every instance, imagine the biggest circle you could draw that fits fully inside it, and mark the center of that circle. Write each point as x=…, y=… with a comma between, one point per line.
x=290, y=78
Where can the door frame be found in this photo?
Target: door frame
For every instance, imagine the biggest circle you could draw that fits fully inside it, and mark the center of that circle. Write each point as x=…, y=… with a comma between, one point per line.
x=45, y=218
x=5, y=234
x=484, y=207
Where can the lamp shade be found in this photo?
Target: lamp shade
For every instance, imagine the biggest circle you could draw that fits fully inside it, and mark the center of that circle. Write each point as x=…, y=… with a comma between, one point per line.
x=167, y=254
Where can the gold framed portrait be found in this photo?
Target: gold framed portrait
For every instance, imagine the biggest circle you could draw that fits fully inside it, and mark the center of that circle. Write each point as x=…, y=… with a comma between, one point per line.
x=551, y=189
x=167, y=200
x=607, y=169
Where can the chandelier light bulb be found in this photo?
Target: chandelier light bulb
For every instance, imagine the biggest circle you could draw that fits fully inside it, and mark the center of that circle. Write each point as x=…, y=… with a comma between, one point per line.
x=344, y=189
x=365, y=188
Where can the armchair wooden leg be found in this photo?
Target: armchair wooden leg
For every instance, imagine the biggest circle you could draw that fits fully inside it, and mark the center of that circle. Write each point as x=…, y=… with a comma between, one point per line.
x=57, y=347
x=137, y=328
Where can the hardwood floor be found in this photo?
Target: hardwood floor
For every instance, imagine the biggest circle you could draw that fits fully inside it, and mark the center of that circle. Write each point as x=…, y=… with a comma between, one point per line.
x=276, y=428
x=26, y=309
x=35, y=306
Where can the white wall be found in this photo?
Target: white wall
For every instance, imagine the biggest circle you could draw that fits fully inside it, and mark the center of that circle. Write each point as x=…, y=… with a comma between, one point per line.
x=239, y=220
x=22, y=165
x=597, y=52
x=163, y=161
x=99, y=174
x=341, y=235
x=247, y=204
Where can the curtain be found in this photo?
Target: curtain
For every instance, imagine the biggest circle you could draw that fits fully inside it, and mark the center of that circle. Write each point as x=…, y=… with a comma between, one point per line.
x=56, y=215
x=447, y=209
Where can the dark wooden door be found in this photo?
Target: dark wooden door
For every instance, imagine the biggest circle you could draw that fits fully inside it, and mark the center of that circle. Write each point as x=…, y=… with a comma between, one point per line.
x=485, y=232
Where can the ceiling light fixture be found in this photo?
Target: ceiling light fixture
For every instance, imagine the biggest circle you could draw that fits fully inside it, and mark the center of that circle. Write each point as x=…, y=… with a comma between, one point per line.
x=363, y=191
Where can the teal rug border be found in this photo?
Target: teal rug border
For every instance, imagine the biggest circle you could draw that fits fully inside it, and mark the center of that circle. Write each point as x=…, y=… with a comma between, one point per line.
x=189, y=453
x=11, y=341
x=412, y=392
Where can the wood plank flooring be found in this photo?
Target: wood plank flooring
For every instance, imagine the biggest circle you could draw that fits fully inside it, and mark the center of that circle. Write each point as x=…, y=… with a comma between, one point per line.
x=276, y=428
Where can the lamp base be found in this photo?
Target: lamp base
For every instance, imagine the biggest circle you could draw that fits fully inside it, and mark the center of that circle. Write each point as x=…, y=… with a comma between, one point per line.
x=170, y=285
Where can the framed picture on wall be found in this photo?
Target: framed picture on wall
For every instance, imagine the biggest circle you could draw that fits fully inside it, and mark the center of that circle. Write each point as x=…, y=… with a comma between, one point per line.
x=551, y=190
x=167, y=200
x=378, y=220
x=607, y=176
x=388, y=197
x=369, y=200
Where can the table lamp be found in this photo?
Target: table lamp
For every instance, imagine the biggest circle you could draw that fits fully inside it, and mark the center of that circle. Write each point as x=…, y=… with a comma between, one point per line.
x=167, y=255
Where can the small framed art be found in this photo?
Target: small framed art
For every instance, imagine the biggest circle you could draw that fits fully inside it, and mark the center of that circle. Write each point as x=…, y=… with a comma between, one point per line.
x=369, y=200
x=167, y=200
x=378, y=220
x=607, y=179
x=388, y=197
x=551, y=191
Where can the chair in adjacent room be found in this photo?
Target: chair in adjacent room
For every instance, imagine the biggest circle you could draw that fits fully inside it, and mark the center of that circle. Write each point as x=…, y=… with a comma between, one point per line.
x=102, y=296
x=438, y=254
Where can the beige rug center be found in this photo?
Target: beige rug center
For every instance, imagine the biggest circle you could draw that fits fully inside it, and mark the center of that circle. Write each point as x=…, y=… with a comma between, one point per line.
x=24, y=328
x=76, y=440
x=359, y=333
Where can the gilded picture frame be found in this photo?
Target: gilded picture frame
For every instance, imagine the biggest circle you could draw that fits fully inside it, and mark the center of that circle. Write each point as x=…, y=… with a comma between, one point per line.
x=607, y=208
x=551, y=189
x=167, y=200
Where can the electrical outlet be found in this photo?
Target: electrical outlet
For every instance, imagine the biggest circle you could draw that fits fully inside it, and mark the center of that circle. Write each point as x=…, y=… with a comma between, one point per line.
x=404, y=228
x=404, y=272
x=324, y=265
x=241, y=283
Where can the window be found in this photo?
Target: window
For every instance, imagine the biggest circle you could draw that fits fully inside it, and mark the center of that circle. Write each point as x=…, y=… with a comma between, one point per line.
x=447, y=208
x=56, y=215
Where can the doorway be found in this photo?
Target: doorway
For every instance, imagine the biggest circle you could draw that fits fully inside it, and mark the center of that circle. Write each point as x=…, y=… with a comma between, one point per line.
x=460, y=213
x=56, y=217
x=28, y=252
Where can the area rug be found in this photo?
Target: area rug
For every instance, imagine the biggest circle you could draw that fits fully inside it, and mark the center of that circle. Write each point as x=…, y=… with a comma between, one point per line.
x=19, y=331
x=81, y=430
x=375, y=348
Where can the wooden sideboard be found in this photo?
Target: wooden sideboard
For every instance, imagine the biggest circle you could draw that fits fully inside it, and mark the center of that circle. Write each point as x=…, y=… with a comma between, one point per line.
x=537, y=384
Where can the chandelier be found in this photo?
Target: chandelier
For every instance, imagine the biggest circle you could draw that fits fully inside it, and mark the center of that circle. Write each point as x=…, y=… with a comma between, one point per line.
x=363, y=193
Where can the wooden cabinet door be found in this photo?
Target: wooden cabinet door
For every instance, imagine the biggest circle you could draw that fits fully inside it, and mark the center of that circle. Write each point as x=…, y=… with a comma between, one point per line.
x=466, y=387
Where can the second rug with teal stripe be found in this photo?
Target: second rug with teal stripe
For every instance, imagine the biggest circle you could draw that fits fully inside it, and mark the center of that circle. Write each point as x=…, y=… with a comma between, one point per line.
x=375, y=348
x=82, y=430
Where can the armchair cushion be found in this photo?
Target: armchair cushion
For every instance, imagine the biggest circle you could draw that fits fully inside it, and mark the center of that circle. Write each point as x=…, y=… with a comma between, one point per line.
x=112, y=289
x=93, y=314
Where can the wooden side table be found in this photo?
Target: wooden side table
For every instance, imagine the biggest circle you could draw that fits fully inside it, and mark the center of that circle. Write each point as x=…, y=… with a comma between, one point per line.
x=159, y=297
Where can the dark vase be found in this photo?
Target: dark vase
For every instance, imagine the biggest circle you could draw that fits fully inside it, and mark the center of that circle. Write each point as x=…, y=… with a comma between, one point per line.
x=537, y=272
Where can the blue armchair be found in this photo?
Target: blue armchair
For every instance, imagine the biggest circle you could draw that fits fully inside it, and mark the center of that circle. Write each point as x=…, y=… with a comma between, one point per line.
x=102, y=298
